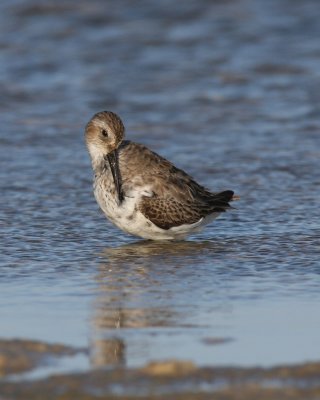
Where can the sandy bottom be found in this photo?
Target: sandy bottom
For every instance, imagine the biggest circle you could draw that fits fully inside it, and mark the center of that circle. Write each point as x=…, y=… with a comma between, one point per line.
x=171, y=379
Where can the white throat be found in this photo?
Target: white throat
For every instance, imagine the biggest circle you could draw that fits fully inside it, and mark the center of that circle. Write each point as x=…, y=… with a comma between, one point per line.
x=96, y=154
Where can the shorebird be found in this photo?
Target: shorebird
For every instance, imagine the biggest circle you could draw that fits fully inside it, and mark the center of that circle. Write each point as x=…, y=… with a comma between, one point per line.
x=141, y=192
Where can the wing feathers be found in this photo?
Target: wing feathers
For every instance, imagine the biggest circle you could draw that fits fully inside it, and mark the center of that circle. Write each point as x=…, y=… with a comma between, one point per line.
x=167, y=212
x=176, y=199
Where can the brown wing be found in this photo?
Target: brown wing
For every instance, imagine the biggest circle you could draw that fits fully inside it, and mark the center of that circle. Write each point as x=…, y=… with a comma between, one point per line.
x=168, y=212
x=177, y=199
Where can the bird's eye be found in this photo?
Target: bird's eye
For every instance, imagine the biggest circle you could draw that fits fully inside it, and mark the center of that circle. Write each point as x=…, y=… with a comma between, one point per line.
x=104, y=133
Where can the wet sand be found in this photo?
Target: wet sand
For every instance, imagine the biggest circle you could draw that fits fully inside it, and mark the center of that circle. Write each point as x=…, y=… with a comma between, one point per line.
x=17, y=356
x=171, y=379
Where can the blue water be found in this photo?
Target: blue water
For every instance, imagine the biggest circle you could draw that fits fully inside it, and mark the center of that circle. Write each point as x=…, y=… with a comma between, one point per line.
x=226, y=90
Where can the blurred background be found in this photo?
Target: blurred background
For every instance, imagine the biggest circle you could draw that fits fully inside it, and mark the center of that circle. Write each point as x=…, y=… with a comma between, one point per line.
x=227, y=90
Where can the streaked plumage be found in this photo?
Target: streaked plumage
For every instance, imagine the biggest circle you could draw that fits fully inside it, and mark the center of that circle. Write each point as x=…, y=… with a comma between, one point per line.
x=141, y=192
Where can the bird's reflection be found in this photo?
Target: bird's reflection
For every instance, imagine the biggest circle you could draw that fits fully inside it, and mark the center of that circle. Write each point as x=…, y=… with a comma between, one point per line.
x=138, y=286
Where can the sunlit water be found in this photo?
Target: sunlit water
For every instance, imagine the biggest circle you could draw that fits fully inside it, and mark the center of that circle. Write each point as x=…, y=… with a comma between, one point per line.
x=229, y=91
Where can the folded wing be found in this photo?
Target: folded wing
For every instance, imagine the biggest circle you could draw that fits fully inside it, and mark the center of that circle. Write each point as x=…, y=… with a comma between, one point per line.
x=173, y=198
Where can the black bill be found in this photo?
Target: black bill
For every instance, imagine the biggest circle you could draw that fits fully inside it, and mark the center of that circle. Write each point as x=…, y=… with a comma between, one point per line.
x=114, y=166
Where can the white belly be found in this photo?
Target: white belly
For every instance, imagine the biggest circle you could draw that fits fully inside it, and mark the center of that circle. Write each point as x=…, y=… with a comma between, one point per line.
x=128, y=218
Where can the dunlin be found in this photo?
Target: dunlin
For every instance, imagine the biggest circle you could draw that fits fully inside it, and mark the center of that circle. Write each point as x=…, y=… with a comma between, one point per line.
x=141, y=192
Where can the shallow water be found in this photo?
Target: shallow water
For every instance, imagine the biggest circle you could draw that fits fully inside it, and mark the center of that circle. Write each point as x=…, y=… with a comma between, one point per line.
x=226, y=90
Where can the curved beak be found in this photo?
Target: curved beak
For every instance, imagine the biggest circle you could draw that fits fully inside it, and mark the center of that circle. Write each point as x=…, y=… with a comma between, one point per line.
x=114, y=166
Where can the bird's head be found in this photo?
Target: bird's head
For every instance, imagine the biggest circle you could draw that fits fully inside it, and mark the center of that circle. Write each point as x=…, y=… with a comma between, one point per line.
x=104, y=133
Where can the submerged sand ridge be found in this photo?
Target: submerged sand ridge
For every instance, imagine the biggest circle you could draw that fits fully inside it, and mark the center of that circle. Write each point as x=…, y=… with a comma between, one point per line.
x=173, y=379
x=19, y=356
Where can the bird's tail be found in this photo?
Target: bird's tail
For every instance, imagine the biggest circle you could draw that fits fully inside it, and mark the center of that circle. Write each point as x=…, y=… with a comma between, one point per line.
x=220, y=201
